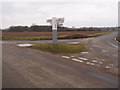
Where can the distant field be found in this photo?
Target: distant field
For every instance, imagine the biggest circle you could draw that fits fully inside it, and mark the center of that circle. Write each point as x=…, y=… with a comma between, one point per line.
x=38, y=34
x=47, y=35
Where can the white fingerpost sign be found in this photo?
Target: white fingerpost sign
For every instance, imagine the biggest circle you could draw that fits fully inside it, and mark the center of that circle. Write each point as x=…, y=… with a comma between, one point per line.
x=55, y=22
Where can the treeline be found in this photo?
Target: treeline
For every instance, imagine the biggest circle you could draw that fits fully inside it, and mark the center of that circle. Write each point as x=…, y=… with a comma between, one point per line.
x=37, y=28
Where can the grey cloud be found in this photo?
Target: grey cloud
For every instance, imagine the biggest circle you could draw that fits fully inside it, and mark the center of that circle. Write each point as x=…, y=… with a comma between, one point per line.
x=84, y=13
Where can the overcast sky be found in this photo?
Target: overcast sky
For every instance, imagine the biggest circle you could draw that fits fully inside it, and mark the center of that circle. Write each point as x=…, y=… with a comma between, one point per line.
x=78, y=13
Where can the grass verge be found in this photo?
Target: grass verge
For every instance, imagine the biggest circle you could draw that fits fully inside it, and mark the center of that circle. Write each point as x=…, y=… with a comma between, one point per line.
x=118, y=39
x=60, y=48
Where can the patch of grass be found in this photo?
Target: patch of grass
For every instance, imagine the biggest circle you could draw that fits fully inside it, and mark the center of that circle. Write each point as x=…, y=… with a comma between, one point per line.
x=0, y=38
x=99, y=34
x=118, y=39
x=60, y=48
x=26, y=38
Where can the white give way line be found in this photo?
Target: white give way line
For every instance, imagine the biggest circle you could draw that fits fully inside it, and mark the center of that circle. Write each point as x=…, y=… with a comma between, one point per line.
x=74, y=59
x=77, y=60
x=66, y=57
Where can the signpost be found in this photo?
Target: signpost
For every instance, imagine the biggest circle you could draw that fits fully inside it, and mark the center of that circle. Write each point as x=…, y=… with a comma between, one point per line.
x=55, y=22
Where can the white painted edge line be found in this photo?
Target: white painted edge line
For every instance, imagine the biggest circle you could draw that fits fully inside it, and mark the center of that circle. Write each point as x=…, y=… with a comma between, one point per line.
x=77, y=60
x=92, y=64
x=65, y=57
x=116, y=39
x=83, y=58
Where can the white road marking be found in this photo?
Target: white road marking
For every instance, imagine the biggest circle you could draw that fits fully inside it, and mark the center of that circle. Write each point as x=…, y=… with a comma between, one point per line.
x=83, y=58
x=90, y=63
x=77, y=60
x=24, y=45
x=65, y=57
x=73, y=42
x=84, y=52
x=107, y=67
x=94, y=61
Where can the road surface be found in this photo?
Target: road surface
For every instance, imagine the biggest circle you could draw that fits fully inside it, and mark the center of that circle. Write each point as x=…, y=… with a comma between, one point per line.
x=27, y=68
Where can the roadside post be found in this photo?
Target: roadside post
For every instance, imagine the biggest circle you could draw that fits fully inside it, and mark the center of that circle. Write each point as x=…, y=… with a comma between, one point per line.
x=55, y=22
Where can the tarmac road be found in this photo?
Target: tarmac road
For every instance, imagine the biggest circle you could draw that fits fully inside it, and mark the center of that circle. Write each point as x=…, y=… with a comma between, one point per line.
x=105, y=46
x=27, y=68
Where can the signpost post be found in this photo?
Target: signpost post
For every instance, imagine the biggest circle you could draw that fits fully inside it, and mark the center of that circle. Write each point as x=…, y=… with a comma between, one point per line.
x=55, y=22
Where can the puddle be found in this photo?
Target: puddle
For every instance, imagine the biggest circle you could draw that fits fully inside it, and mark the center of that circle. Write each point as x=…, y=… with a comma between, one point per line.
x=24, y=45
